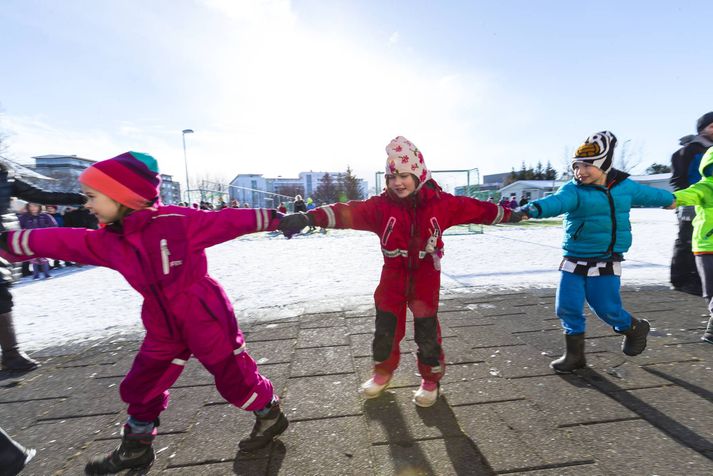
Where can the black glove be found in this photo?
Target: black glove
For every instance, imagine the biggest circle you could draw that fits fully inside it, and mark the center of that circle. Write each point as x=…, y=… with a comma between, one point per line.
x=3, y=241
x=292, y=224
x=516, y=216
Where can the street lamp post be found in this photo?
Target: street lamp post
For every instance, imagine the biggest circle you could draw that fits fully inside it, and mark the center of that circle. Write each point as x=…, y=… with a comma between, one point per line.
x=185, y=161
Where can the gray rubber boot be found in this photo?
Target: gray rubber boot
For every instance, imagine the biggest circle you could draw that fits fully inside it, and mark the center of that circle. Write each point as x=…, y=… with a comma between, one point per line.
x=573, y=357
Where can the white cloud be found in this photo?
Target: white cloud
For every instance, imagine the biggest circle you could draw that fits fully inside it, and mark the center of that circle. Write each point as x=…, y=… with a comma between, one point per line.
x=277, y=97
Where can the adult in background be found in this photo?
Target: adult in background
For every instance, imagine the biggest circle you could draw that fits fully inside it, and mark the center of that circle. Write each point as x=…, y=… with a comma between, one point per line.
x=11, y=185
x=523, y=200
x=299, y=205
x=684, y=166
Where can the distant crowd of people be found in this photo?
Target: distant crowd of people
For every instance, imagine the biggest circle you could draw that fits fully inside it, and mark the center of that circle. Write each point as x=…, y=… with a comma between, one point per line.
x=511, y=202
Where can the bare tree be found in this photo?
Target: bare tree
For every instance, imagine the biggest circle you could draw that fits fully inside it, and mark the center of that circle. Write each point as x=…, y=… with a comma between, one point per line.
x=211, y=187
x=628, y=157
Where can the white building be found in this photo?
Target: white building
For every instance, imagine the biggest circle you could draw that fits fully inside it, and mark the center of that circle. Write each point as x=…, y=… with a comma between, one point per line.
x=259, y=191
x=533, y=189
x=655, y=180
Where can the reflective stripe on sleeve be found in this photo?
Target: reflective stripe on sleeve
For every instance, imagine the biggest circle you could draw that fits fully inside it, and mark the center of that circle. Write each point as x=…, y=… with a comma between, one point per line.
x=250, y=400
x=331, y=220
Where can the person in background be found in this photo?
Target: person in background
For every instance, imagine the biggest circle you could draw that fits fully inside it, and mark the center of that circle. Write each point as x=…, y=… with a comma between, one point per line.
x=523, y=200
x=12, y=185
x=234, y=203
x=513, y=203
x=299, y=205
x=59, y=219
x=282, y=208
x=34, y=218
x=685, y=164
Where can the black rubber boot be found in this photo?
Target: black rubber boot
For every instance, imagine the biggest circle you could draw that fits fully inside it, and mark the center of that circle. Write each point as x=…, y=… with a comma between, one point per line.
x=266, y=429
x=12, y=357
x=708, y=334
x=635, y=337
x=134, y=452
x=573, y=357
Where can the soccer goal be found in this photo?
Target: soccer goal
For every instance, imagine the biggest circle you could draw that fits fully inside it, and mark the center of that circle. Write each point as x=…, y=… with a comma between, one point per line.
x=463, y=182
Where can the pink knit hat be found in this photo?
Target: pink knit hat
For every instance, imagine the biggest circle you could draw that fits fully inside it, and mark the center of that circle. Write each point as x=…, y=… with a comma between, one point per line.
x=131, y=179
x=404, y=156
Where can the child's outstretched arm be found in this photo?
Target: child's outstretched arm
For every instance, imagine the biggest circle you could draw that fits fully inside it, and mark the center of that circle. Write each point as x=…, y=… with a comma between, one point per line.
x=355, y=214
x=563, y=201
x=67, y=244
x=645, y=196
x=469, y=210
x=697, y=194
x=208, y=228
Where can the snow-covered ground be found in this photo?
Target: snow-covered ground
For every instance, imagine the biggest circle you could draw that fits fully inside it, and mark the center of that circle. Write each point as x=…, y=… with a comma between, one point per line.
x=270, y=277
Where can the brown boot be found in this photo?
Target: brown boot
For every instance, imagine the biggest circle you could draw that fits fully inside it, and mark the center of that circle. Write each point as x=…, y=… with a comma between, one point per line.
x=12, y=357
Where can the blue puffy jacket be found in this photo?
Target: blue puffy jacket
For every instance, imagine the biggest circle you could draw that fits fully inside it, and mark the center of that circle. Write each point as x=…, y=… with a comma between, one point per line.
x=596, y=218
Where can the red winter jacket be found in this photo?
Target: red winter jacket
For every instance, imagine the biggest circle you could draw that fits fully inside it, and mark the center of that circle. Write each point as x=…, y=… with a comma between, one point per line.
x=410, y=228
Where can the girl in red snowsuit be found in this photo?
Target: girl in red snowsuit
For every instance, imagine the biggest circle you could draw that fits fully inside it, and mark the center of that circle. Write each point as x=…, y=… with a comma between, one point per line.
x=409, y=218
x=160, y=250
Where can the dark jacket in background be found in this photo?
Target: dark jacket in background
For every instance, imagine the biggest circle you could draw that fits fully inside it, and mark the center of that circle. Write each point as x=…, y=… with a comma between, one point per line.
x=80, y=218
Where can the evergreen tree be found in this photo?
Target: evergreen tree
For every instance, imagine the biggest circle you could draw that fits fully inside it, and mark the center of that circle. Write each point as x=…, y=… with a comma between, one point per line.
x=550, y=172
x=326, y=191
x=350, y=186
x=658, y=169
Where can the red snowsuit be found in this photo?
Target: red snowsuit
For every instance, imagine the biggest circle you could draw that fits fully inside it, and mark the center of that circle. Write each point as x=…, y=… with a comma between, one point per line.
x=410, y=230
x=161, y=254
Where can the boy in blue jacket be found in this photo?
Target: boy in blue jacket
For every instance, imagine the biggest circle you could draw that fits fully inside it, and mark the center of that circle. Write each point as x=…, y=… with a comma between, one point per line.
x=597, y=232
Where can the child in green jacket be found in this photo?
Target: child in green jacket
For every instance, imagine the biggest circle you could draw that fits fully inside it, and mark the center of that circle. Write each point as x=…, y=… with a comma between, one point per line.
x=700, y=194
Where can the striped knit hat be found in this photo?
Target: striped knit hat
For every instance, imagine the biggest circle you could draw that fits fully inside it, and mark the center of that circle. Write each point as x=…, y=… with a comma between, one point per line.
x=404, y=156
x=597, y=150
x=130, y=178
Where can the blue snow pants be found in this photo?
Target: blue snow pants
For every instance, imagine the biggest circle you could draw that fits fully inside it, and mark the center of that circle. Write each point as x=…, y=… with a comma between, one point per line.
x=602, y=295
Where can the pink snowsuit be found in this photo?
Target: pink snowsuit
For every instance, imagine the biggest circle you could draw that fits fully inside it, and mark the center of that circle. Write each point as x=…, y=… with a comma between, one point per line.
x=161, y=254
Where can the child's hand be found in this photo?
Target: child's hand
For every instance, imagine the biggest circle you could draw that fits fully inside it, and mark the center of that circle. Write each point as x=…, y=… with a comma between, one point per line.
x=290, y=225
x=516, y=216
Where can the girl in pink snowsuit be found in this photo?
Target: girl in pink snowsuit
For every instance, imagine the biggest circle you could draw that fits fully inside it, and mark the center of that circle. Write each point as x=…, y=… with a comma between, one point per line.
x=160, y=252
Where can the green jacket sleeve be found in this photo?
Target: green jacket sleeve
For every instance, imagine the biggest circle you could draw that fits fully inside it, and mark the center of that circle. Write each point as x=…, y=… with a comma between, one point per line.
x=697, y=194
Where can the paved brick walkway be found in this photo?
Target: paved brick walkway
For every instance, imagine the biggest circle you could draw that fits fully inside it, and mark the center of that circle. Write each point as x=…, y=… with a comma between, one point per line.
x=504, y=411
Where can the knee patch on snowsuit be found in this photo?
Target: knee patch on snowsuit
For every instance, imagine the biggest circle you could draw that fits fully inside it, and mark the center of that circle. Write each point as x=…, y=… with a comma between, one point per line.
x=426, y=337
x=383, y=335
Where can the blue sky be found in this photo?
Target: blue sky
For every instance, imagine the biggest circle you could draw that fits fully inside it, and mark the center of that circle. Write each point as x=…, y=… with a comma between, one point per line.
x=278, y=87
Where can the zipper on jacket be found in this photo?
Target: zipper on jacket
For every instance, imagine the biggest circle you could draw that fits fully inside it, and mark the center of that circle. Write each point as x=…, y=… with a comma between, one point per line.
x=577, y=231
x=165, y=253
x=708, y=235
x=389, y=229
x=613, y=222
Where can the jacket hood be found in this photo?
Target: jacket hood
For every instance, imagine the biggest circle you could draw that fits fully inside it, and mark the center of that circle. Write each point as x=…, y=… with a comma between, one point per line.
x=706, y=160
x=693, y=138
